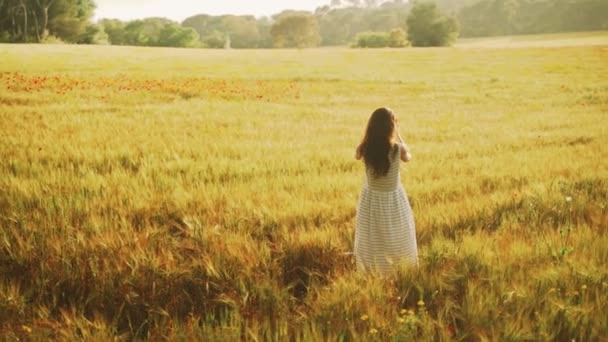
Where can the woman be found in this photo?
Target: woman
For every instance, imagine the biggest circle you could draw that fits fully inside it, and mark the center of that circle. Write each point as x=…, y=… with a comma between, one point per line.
x=385, y=233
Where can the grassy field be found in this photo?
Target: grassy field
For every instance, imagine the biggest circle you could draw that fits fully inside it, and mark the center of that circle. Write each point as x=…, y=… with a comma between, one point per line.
x=537, y=40
x=195, y=194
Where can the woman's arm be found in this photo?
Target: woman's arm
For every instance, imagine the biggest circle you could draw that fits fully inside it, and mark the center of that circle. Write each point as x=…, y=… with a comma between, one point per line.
x=358, y=153
x=406, y=156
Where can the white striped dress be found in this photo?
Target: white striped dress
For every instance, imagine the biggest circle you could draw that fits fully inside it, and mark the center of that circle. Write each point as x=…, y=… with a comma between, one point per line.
x=385, y=232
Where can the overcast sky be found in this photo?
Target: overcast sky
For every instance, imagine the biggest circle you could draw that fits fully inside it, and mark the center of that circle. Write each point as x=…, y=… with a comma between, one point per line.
x=179, y=10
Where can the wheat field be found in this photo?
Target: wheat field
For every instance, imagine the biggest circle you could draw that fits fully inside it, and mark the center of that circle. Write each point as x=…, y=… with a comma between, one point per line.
x=169, y=194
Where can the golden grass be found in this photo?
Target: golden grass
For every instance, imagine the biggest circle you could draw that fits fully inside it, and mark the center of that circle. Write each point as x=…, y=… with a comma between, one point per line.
x=183, y=194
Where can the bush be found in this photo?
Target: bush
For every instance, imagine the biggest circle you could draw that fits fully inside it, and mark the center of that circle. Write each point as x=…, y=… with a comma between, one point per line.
x=372, y=40
x=51, y=39
x=5, y=37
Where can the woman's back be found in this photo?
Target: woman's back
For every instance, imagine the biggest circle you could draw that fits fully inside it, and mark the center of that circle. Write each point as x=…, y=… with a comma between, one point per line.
x=390, y=181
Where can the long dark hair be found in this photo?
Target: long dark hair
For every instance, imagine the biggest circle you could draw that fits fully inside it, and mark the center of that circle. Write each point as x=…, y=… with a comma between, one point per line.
x=378, y=141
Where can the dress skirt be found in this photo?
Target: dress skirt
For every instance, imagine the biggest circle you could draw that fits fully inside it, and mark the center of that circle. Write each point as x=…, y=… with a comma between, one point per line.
x=385, y=232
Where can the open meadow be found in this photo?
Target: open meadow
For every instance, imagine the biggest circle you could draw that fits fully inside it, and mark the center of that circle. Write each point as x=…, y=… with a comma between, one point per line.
x=185, y=194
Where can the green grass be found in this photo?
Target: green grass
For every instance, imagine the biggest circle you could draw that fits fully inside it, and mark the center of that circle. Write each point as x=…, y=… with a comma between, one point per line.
x=183, y=194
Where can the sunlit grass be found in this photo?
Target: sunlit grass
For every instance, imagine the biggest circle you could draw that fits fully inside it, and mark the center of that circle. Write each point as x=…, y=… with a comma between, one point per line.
x=537, y=40
x=184, y=194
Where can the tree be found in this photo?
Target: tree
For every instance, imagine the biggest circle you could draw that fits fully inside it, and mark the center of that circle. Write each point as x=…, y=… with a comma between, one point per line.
x=242, y=30
x=339, y=26
x=68, y=19
x=115, y=29
x=23, y=7
x=428, y=27
x=208, y=28
x=94, y=34
x=145, y=32
x=174, y=35
x=397, y=38
x=214, y=40
x=264, y=24
x=502, y=17
x=299, y=30
x=44, y=6
x=134, y=33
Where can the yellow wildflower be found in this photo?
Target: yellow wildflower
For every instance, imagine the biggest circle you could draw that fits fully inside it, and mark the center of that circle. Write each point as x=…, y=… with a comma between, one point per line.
x=421, y=303
x=364, y=318
x=373, y=331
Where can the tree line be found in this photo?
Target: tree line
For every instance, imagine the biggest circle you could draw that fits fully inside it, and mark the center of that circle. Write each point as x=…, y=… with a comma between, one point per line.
x=511, y=17
x=367, y=23
x=36, y=20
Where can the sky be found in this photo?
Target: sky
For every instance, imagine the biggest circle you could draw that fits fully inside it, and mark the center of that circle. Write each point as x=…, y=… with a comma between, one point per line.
x=179, y=10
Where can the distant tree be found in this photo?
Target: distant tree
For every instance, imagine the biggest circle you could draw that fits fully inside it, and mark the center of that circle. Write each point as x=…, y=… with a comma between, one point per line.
x=69, y=19
x=495, y=17
x=585, y=15
x=340, y=26
x=242, y=30
x=34, y=20
x=23, y=8
x=174, y=35
x=145, y=32
x=428, y=27
x=208, y=28
x=201, y=23
x=134, y=34
x=44, y=6
x=299, y=30
x=382, y=19
x=115, y=29
x=94, y=34
x=264, y=24
x=289, y=13
x=397, y=38
x=214, y=40
x=504, y=17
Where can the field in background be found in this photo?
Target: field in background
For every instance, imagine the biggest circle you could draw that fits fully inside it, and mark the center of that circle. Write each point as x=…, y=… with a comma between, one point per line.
x=537, y=40
x=182, y=194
